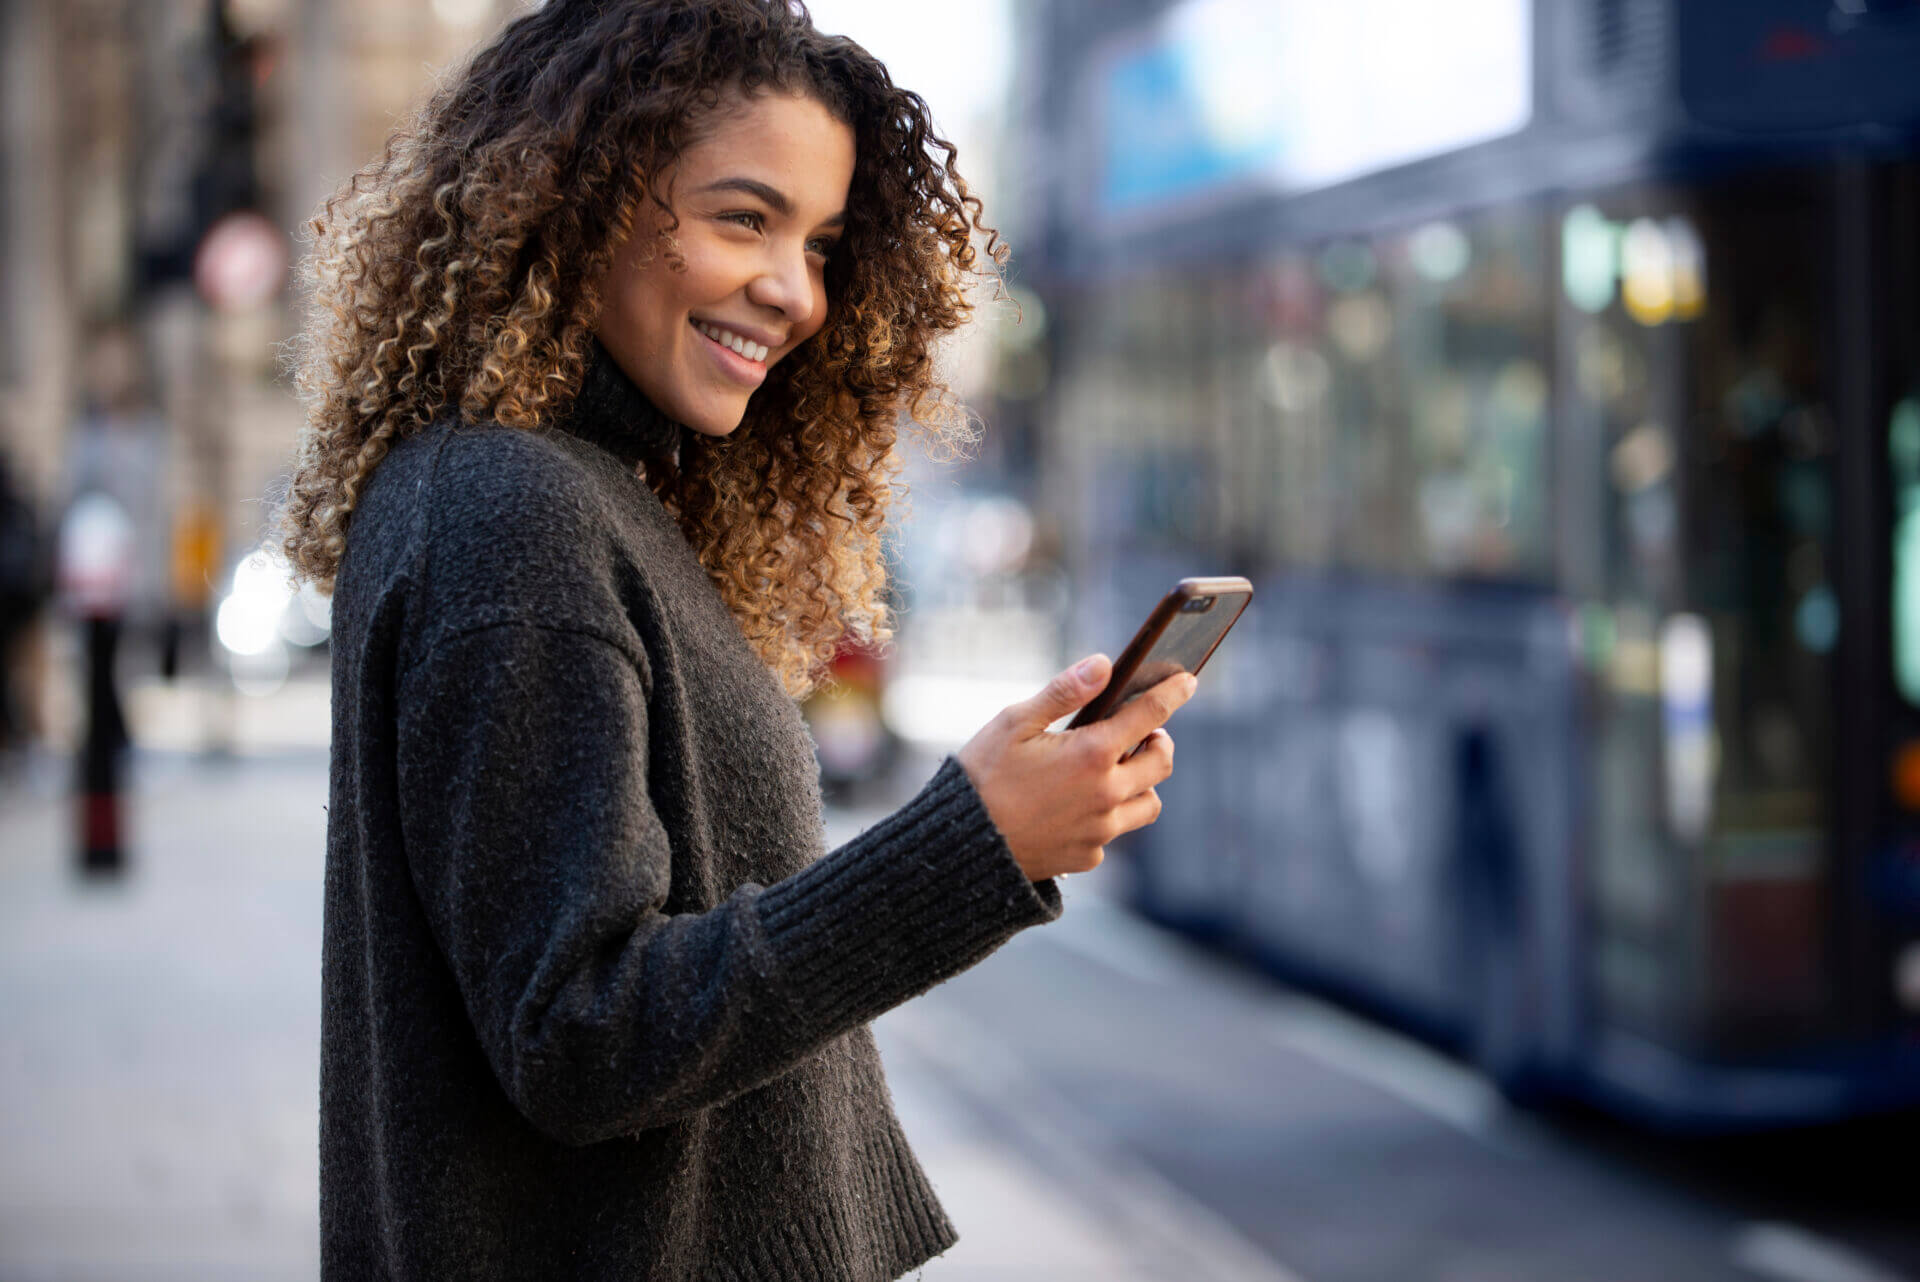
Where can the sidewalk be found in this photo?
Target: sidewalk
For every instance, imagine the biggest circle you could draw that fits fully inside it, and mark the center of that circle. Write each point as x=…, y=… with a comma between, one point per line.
x=158, y=1058
x=159, y=1051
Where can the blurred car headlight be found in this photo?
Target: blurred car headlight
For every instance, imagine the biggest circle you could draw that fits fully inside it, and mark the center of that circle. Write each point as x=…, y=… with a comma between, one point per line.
x=262, y=609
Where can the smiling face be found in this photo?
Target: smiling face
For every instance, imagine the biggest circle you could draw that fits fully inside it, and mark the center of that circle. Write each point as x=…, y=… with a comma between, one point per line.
x=761, y=199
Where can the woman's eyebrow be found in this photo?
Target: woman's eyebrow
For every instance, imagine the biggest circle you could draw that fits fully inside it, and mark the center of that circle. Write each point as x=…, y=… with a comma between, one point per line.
x=773, y=196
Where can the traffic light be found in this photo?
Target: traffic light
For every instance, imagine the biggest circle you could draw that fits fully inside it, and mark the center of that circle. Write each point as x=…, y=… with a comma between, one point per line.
x=219, y=174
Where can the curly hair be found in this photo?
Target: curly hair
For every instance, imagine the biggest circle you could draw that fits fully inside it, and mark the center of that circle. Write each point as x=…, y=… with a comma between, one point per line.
x=455, y=275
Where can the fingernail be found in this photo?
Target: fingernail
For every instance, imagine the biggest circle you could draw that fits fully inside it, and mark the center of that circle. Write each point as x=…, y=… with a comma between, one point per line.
x=1087, y=668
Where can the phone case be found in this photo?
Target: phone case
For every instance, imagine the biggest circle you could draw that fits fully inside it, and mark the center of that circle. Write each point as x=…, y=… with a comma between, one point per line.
x=1147, y=660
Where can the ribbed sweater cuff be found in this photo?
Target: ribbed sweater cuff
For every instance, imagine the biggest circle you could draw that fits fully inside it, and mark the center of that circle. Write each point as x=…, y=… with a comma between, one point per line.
x=915, y=899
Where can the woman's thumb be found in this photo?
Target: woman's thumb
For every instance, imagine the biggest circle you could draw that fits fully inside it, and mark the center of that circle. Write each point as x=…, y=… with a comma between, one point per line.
x=1068, y=692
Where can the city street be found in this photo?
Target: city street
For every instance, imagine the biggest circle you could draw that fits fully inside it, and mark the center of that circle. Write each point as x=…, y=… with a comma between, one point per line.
x=1097, y=1101
x=1510, y=410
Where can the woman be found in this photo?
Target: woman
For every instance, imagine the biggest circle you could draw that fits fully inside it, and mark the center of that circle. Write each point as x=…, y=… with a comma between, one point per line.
x=607, y=357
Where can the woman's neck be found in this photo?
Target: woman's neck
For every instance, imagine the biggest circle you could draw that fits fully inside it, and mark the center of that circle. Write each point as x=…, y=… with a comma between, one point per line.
x=611, y=411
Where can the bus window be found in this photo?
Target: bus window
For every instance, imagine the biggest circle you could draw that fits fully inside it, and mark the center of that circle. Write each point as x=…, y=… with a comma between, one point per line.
x=1704, y=376
x=1371, y=478
x=1903, y=448
x=1294, y=379
x=1426, y=353
x=1471, y=300
x=1379, y=405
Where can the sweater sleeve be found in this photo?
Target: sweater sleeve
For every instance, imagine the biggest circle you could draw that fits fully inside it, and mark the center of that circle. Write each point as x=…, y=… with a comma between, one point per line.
x=543, y=868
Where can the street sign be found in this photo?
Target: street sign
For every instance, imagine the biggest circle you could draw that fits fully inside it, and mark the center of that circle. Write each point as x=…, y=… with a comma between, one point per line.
x=241, y=262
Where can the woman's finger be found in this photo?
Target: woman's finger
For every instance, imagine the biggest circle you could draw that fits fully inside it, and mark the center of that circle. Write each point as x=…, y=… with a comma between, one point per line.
x=1151, y=762
x=1068, y=692
x=1147, y=711
x=1138, y=812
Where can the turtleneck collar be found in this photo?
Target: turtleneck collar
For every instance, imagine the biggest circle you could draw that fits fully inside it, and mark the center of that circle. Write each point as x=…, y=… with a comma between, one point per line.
x=613, y=413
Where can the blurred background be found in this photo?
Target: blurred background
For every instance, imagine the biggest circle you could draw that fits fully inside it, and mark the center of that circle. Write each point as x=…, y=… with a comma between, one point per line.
x=1538, y=892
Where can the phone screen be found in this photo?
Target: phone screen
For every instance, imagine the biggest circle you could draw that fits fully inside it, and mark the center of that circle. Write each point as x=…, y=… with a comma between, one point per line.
x=1182, y=631
x=1183, y=647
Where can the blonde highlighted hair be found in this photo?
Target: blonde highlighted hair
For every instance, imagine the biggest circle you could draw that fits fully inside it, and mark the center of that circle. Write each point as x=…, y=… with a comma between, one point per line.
x=453, y=276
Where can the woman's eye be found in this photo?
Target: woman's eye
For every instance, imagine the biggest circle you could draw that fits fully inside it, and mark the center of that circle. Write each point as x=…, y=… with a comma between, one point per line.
x=746, y=218
x=822, y=245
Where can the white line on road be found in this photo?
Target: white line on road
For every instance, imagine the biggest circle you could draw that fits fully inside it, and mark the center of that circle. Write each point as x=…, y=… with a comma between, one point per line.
x=1173, y=1235
x=1104, y=932
x=1787, y=1253
x=1412, y=1074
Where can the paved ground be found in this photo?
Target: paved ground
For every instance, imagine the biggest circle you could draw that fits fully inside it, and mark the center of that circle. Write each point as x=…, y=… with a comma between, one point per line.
x=158, y=1056
x=1097, y=1101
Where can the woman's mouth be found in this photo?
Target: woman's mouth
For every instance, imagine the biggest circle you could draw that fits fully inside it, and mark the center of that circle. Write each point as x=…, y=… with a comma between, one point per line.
x=738, y=344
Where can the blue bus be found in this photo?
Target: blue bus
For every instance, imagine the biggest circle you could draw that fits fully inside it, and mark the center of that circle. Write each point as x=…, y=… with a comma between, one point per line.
x=1552, y=367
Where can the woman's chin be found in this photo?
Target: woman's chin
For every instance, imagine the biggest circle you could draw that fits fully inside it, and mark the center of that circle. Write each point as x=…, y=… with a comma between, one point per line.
x=715, y=420
x=715, y=427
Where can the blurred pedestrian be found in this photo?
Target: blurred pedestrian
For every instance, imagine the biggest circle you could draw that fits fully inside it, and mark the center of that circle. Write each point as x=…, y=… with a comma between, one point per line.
x=106, y=570
x=96, y=559
x=604, y=374
x=118, y=448
x=23, y=591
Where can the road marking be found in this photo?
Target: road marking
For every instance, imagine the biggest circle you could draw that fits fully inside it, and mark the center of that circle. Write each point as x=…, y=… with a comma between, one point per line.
x=1171, y=1234
x=1788, y=1253
x=1416, y=1076
x=1097, y=928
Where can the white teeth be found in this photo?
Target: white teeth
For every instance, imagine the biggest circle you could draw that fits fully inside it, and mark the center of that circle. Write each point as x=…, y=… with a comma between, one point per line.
x=727, y=338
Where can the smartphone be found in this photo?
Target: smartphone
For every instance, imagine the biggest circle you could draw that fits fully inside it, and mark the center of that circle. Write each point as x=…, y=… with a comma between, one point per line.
x=1179, y=636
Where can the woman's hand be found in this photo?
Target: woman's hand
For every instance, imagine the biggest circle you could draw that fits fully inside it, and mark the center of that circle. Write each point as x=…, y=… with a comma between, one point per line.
x=1059, y=798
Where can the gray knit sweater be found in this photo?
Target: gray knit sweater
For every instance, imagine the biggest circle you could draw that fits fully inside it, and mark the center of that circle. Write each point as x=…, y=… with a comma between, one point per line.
x=595, y=995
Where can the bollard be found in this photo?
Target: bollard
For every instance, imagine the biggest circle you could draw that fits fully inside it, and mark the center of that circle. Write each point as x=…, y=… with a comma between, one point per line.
x=102, y=748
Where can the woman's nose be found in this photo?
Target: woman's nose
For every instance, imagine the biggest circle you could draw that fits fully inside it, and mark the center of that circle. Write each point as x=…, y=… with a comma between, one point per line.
x=786, y=283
